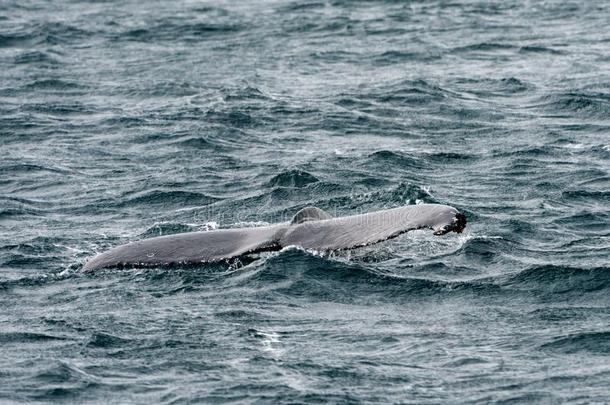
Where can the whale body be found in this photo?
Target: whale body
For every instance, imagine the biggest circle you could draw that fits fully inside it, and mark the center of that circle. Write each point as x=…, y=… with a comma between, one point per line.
x=310, y=228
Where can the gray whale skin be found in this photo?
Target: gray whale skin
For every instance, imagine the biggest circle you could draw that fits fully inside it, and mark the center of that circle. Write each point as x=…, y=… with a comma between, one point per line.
x=311, y=228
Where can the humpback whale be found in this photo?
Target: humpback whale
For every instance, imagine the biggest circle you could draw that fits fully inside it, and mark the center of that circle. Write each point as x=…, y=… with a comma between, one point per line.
x=310, y=228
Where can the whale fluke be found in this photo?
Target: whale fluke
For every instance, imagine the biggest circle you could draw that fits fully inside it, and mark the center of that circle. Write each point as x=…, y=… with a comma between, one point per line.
x=365, y=229
x=311, y=228
x=188, y=248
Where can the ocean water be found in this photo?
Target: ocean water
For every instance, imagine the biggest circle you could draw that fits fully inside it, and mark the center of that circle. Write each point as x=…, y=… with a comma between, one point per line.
x=122, y=120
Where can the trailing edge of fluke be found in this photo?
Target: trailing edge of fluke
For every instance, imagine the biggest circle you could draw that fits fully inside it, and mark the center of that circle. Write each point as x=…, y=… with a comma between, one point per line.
x=311, y=228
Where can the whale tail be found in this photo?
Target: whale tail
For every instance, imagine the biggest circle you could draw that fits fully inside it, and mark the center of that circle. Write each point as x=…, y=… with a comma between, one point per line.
x=310, y=228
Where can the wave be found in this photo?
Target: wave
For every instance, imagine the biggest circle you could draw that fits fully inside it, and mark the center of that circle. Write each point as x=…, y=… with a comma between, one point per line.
x=17, y=39
x=22, y=207
x=339, y=25
x=533, y=151
x=60, y=109
x=386, y=157
x=124, y=121
x=292, y=178
x=291, y=272
x=451, y=157
x=484, y=250
x=166, y=198
x=103, y=340
x=55, y=380
x=539, y=49
x=20, y=212
x=576, y=104
x=54, y=84
x=592, y=222
x=553, y=280
x=297, y=273
x=564, y=314
x=27, y=337
x=397, y=57
x=162, y=88
x=595, y=342
x=408, y=92
x=247, y=93
x=307, y=6
x=507, y=86
x=294, y=272
x=52, y=33
x=588, y=196
x=179, y=30
x=483, y=47
x=29, y=281
x=234, y=117
x=38, y=57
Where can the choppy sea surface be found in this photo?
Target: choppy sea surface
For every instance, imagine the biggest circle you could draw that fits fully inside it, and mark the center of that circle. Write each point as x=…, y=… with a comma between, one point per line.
x=126, y=120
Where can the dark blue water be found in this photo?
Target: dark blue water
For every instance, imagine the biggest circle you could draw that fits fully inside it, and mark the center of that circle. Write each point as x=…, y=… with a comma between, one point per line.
x=126, y=120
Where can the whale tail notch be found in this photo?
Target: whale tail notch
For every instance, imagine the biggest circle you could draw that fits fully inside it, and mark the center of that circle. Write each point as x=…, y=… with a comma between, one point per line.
x=309, y=214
